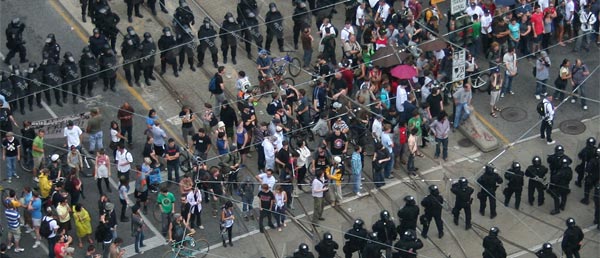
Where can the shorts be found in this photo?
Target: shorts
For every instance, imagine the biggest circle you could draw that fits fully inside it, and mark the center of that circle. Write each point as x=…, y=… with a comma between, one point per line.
x=536, y=40
x=37, y=161
x=159, y=150
x=141, y=196
x=244, y=150
x=229, y=132
x=494, y=97
x=36, y=222
x=65, y=225
x=187, y=131
x=15, y=232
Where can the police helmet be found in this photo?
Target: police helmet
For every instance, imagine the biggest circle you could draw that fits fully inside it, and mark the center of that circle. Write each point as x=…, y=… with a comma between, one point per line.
x=494, y=231
x=433, y=189
x=166, y=29
x=559, y=150
x=373, y=235
x=409, y=199
x=546, y=246
x=182, y=3
x=301, y=4
x=591, y=142
x=327, y=236
x=16, y=21
x=206, y=20
x=50, y=38
x=130, y=30
x=103, y=10
x=273, y=6
x=536, y=161
x=358, y=224
x=564, y=162
x=598, y=151
x=96, y=31
x=303, y=248
x=409, y=235
x=85, y=50
x=68, y=55
x=462, y=181
x=570, y=222
x=516, y=165
x=250, y=13
x=490, y=168
x=228, y=15
x=384, y=215
x=147, y=35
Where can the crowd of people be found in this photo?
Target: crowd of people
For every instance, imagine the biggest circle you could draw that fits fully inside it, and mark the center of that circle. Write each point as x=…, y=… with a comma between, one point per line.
x=353, y=102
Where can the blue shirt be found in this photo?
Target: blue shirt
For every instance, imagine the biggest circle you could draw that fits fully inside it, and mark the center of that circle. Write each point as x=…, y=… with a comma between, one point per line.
x=12, y=218
x=356, y=163
x=150, y=120
x=221, y=146
x=36, y=213
x=386, y=140
x=264, y=62
x=515, y=30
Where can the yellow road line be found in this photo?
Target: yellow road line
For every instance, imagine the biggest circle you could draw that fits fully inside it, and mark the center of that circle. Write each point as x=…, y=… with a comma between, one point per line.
x=83, y=36
x=491, y=127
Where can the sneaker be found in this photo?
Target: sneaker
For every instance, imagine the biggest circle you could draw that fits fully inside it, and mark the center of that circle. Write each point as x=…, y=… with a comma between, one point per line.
x=537, y=97
x=37, y=243
x=9, y=246
x=584, y=108
x=552, y=142
x=36, y=179
x=502, y=95
x=359, y=194
x=573, y=101
x=9, y=180
x=512, y=92
x=18, y=250
x=17, y=176
x=28, y=230
x=201, y=227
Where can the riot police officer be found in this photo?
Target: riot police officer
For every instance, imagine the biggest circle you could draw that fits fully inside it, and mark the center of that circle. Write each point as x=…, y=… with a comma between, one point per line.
x=206, y=37
x=229, y=34
x=585, y=155
x=130, y=49
x=15, y=42
x=492, y=246
x=131, y=6
x=592, y=175
x=251, y=32
x=51, y=48
x=555, y=160
x=152, y=5
x=303, y=252
x=559, y=186
x=34, y=78
x=166, y=42
x=86, y=9
x=386, y=230
x=355, y=238
x=51, y=78
x=70, y=75
x=546, y=251
x=538, y=180
x=489, y=181
x=185, y=39
x=19, y=89
x=463, y=192
x=106, y=21
x=408, y=245
x=515, y=177
x=274, y=22
x=432, y=205
x=97, y=42
x=408, y=215
x=6, y=89
x=373, y=247
x=89, y=67
x=597, y=206
x=108, y=65
x=571, y=242
x=301, y=18
x=184, y=15
x=326, y=248
x=148, y=48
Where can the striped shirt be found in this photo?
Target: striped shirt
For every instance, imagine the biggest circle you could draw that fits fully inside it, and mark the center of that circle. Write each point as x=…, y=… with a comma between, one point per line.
x=12, y=218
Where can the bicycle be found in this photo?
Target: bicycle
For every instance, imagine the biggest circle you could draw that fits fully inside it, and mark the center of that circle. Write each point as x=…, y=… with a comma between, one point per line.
x=481, y=81
x=188, y=248
x=230, y=173
x=26, y=161
x=292, y=63
x=186, y=160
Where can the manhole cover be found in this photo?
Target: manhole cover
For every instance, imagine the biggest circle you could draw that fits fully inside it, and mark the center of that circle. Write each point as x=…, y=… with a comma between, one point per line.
x=572, y=127
x=513, y=114
x=465, y=143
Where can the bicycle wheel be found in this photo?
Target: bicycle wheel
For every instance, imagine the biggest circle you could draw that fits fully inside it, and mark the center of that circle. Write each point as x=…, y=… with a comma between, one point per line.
x=295, y=67
x=156, y=212
x=201, y=247
x=288, y=80
x=184, y=161
x=170, y=254
x=483, y=81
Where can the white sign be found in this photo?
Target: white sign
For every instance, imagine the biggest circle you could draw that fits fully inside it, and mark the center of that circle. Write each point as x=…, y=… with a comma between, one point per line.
x=54, y=126
x=458, y=65
x=457, y=6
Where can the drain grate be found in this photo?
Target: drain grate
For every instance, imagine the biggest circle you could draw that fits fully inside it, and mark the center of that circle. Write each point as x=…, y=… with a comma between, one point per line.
x=572, y=127
x=465, y=143
x=513, y=114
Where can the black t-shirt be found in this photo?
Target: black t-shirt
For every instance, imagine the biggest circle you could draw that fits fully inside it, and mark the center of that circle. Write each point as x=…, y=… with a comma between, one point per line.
x=188, y=124
x=201, y=143
x=321, y=161
x=283, y=156
x=434, y=104
x=11, y=147
x=172, y=151
x=337, y=143
x=148, y=149
x=499, y=29
x=245, y=117
x=219, y=81
x=338, y=84
x=265, y=199
x=185, y=210
x=216, y=185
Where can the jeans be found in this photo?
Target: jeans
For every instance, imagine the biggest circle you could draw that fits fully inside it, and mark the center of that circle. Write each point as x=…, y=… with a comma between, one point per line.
x=410, y=165
x=546, y=130
x=173, y=168
x=11, y=169
x=581, y=92
x=139, y=240
x=165, y=220
x=540, y=86
x=279, y=215
x=444, y=143
x=219, y=99
x=356, y=180
x=265, y=213
x=507, y=86
x=461, y=114
x=247, y=205
x=126, y=130
x=317, y=208
x=96, y=141
x=51, y=244
x=306, y=57
x=387, y=171
x=378, y=177
x=475, y=48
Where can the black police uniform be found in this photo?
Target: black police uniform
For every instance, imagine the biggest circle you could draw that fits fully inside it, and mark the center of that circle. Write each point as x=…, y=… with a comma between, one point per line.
x=207, y=36
x=108, y=65
x=554, y=161
x=15, y=42
x=585, y=155
x=70, y=75
x=301, y=18
x=167, y=53
x=274, y=23
x=184, y=15
x=20, y=88
x=515, y=177
x=463, y=193
x=185, y=39
x=545, y=254
x=130, y=49
x=408, y=216
x=570, y=242
x=251, y=32
x=537, y=174
x=6, y=89
x=326, y=248
x=559, y=187
x=131, y=6
x=489, y=181
x=597, y=205
x=493, y=247
x=34, y=78
x=355, y=241
x=386, y=233
x=95, y=6
x=372, y=249
x=229, y=34
x=152, y=5
x=432, y=205
x=51, y=78
x=300, y=254
x=407, y=246
x=98, y=44
x=592, y=176
x=89, y=68
x=148, y=48
x=87, y=8
x=107, y=23
x=52, y=50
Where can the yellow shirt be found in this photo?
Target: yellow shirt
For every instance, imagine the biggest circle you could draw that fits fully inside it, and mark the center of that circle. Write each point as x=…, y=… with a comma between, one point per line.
x=45, y=186
x=337, y=177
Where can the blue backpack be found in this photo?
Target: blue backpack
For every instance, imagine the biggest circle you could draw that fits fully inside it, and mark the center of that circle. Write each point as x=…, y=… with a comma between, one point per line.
x=212, y=85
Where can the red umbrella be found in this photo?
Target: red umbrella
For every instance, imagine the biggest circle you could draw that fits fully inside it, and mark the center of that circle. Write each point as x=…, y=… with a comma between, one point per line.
x=404, y=71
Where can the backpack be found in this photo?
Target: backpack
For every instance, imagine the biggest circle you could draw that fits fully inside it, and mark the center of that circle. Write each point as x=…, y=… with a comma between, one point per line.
x=45, y=229
x=212, y=85
x=534, y=71
x=3, y=115
x=541, y=109
x=100, y=233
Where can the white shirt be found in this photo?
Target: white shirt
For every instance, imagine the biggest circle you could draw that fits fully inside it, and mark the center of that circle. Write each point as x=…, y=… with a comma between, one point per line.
x=317, y=186
x=304, y=154
x=384, y=11
x=543, y=4
x=323, y=27
x=439, y=54
x=113, y=135
x=569, y=11
x=345, y=33
x=587, y=20
x=360, y=15
x=191, y=199
x=549, y=109
x=401, y=96
x=53, y=226
x=124, y=160
x=377, y=129
x=270, y=181
x=486, y=22
x=269, y=149
x=73, y=135
x=372, y=3
x=477, y=10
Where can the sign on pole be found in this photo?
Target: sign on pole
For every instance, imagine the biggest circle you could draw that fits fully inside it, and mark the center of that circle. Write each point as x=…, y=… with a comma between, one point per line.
x=457, y=6
x=54, y=126
x=458, y=65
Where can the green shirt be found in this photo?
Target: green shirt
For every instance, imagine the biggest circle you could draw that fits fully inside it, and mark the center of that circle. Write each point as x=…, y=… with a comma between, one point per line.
x=39, y=143
x=166, y=202
x=95, y=124
x=476, y=29
x=415, y=123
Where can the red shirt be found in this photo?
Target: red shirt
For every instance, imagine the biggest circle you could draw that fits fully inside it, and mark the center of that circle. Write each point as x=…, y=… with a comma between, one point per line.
x=537, y=20
x=402, y=134
x=348, y=76
x=58, y=249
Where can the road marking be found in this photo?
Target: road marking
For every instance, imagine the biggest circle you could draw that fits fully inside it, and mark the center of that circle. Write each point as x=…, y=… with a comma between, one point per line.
x=47, y=108
x=491, y=127
x=554, y=241
x=2, y=56
x=83, y=36
x=555, y=130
